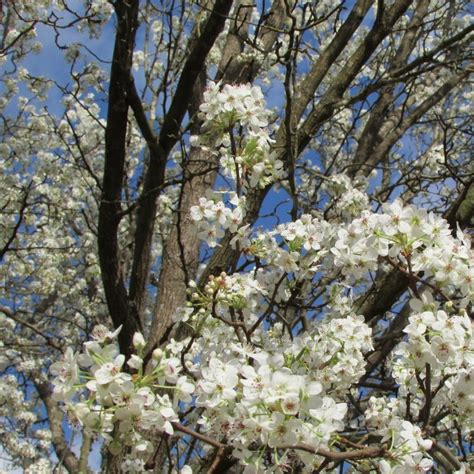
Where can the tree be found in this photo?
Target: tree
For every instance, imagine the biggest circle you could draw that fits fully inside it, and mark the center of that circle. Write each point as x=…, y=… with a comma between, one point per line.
x=239, y=239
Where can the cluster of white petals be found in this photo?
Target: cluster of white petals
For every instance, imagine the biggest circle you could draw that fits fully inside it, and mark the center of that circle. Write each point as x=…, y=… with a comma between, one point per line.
x=257, y=383
x=213, y=216
x=245, y=155
x=99, y=393
x=346, y=196
x=439, y=351
x=27, y=442
x=408, y=237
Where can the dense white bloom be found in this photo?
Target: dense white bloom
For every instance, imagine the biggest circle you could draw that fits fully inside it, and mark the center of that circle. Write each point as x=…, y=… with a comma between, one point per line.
x=213, y=217
x=275, y=390
x=253, y=164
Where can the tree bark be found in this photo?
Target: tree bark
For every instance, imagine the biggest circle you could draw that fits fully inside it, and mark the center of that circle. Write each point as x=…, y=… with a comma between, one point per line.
x=114, y=169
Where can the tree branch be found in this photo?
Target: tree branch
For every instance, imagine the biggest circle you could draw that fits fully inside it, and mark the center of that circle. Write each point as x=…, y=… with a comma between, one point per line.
x=114, y=170
x=169, y=135
x=55, y=421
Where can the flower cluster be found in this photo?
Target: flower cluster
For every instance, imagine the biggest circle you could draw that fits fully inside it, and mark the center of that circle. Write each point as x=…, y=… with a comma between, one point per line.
x=346, y=196
x=225, y=106
x=439, y=351
x=432, y=161
x=408, y=450
x=305, y=246
x=408, y=237
x=15, y=409
x=240, y=292
x=283, y=394
x=265, y=405
x=408, y=445
x=252, y=381
x=286, y=393
x=214, y=217
x=244, y=156
x=99, y=394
